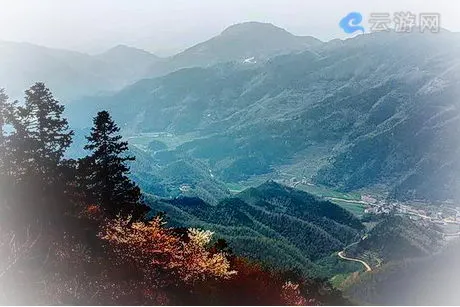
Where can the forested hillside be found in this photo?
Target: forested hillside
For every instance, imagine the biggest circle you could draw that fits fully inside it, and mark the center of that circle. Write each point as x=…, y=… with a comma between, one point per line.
x=294, y=229
x=397, y=238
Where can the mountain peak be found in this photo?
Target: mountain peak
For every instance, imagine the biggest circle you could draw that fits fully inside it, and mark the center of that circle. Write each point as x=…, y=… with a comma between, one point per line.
x=248, y=42
x=254, y=27
x=124, y=49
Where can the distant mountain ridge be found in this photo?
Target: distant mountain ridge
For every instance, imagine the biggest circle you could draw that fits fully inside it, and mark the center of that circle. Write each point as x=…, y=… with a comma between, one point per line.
x=237, y=43
x=73, y=75
x=70, y=74
x=131, y=59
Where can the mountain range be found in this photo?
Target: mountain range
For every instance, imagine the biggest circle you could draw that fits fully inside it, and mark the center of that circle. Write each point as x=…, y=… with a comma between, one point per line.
x=71, y=74
x=376, y=112
x=249, y=42
x=74, y=74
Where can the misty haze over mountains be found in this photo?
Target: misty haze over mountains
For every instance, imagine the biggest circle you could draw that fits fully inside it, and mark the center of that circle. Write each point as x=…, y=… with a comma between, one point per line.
x=230, y=134
x=75, y=74
x=357, y=100
x=378, y=111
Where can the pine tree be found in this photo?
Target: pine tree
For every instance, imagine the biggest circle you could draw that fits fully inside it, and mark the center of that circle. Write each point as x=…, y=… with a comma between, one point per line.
x=6, y=117
x=41, y=136
x=3, y=148
x=3, y=115
x=107, y=172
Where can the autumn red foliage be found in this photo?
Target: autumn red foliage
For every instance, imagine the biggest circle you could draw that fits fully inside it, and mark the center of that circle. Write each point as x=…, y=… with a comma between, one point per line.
x=154, y=247
x=192, y=270
x=93, y=259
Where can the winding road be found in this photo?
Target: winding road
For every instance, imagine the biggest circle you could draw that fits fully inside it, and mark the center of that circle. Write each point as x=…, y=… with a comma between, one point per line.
x=368, y=268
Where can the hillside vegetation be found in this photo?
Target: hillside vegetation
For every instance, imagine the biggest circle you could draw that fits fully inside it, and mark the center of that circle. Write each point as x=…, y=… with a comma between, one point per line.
x=294, y=229
x=396, y=238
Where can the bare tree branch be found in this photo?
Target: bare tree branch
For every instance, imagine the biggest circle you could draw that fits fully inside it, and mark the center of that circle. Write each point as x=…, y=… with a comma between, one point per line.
x=13, y=252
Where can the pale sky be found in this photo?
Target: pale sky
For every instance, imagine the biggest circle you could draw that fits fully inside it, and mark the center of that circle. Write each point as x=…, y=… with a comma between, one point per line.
x=171, y=25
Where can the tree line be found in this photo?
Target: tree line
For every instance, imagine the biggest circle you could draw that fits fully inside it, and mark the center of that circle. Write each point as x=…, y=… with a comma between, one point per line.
x=34, y=137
